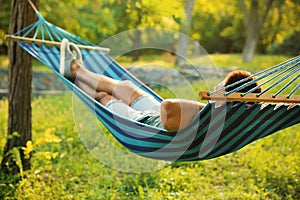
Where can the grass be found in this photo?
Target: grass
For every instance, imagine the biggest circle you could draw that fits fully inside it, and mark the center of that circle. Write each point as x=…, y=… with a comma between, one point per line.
x=37, y=66
x=258, y=63
x=217, y=60
x=62, y=167
x=166, y=60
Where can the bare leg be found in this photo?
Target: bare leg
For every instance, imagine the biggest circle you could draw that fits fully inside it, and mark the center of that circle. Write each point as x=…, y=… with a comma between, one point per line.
x=104, y=98
x=123, y=90
x=101, y=97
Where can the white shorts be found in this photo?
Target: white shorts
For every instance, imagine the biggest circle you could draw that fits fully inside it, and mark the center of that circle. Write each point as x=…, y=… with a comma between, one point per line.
x=139, y=109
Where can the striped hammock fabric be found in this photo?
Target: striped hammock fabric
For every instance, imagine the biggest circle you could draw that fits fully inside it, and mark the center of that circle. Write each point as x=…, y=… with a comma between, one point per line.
x=213, y=131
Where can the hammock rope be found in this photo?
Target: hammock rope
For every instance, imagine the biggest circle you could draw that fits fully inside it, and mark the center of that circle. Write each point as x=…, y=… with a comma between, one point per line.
x=213, y=132
x=276, y=74
x=280, y=80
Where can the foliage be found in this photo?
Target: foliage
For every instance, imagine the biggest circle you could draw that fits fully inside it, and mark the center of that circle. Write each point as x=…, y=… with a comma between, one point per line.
x=214, y=26
x=4, y=23
x=220, y=27
x=217, y=27
x=4, y=17
x=4, y=61
x=289, y=46
x=281, y=23
x=98, y=20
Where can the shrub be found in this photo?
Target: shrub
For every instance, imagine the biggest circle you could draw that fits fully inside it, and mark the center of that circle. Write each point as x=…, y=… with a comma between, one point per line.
x=289, y=46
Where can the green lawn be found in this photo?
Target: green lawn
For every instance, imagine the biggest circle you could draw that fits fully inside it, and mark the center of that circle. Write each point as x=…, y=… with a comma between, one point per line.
x=166, y=60
x=259, y=62
x=217, y=60
x=62, y=168
x=37, y=66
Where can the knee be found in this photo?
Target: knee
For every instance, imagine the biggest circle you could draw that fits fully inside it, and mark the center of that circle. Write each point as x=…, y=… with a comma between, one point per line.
x=130, y=91
x=127, y=84
x=166, y=105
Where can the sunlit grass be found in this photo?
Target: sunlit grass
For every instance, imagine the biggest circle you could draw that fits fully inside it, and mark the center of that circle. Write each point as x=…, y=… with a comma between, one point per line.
x=259, y=62
x=167, y=60
x=217, y=60
x=164, y=60
x=62, y=168
x=36, y=65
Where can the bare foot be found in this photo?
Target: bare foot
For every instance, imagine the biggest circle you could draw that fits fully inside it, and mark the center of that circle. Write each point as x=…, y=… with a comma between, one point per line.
x=75, y=66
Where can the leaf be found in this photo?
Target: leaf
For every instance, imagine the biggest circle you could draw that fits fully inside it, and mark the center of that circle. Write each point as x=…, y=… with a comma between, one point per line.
x=28, y=149
x=141, y=192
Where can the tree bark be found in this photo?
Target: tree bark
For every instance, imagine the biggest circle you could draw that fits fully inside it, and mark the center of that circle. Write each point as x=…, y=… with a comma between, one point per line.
x=183, y=39
x=19, y=97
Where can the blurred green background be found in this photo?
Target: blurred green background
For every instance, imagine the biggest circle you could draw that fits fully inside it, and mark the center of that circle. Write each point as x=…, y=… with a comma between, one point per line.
x=62, y=168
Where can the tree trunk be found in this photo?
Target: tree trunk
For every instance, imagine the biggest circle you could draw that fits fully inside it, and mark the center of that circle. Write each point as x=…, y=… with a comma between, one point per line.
x=136, y=42
x=183, y=39
x=251, y=41
x=254, y=20
x=19, y=97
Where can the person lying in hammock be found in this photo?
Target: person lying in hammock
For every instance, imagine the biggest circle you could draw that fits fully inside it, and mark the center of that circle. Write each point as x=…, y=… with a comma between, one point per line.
x=127, y=100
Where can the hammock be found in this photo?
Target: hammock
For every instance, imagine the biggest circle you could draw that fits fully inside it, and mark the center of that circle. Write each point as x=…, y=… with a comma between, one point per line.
x=213, y=132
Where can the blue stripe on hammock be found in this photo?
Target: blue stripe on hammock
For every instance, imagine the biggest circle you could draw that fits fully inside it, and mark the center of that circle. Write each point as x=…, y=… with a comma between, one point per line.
x=245, y=126
x=244, y=132
x=217, y=143
x=238, y=126
x=211, y=141
x=254, y=131
x=282, y=115
x=262, y=133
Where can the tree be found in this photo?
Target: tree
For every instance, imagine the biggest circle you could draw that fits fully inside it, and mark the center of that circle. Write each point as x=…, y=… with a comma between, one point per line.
x=255, y=14
x=90, y=19
x=185, y=26
x=133, y=14
x=218, y=27
x=19, y=97
x=283, y=22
